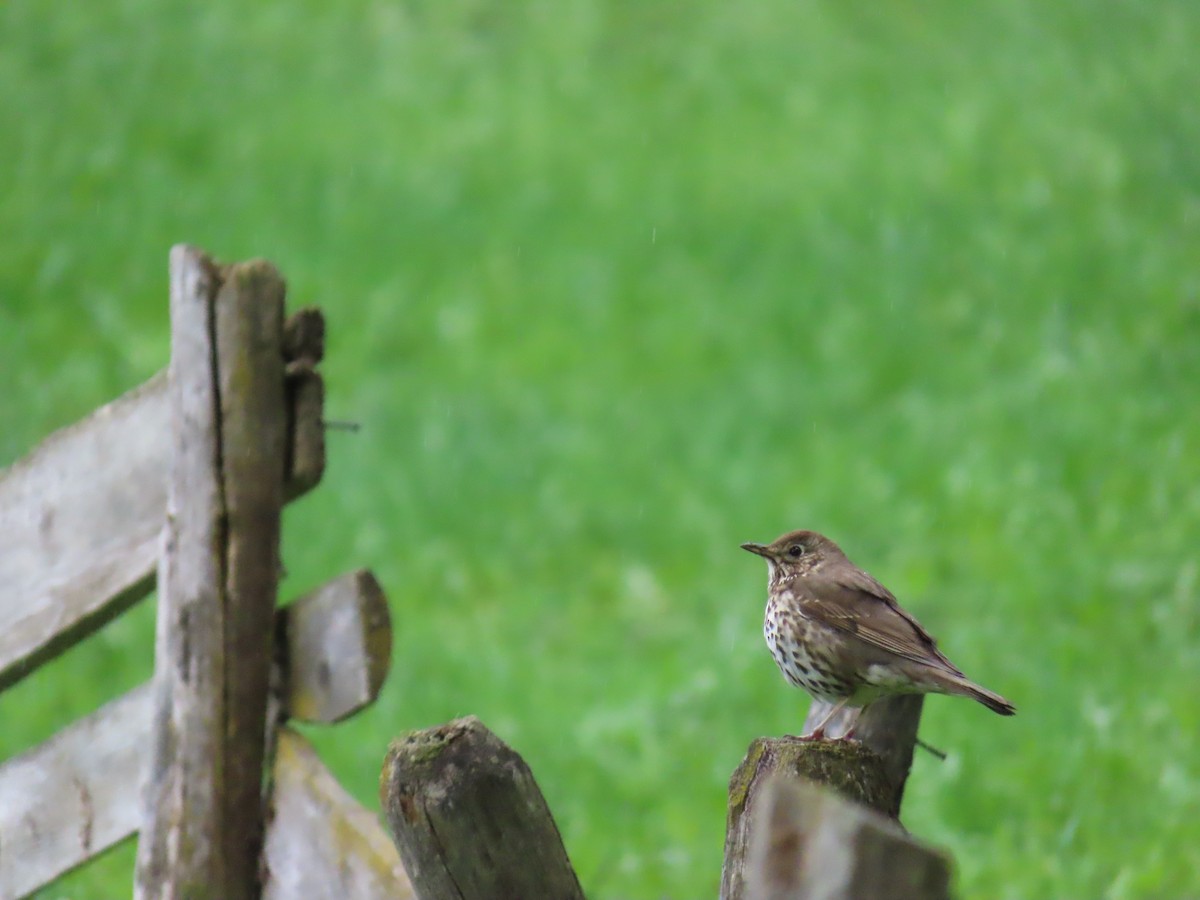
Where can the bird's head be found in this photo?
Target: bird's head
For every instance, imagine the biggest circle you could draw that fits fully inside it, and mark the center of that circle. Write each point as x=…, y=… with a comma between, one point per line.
x=796, y=553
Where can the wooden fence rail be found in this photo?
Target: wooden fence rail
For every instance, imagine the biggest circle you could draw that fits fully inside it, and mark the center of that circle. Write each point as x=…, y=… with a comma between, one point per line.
x=83, y=513
x=211, y=450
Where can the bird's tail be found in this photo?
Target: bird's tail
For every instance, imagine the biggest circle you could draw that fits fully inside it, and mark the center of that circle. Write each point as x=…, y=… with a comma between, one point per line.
x=957, y=684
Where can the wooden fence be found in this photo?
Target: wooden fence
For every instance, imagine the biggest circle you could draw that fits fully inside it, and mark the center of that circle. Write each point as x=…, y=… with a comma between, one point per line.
x=806, y=819
x=180, y=483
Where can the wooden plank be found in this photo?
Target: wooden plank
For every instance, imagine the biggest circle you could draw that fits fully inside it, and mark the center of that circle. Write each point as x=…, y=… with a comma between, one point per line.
x=74, y=796
x=848, y=767
x=82, y=514
x=808, y=842
x=77, y=794
x=81, y=517
x=469, y=819
x=203, y=819
x=338, y=642
x=321, y=842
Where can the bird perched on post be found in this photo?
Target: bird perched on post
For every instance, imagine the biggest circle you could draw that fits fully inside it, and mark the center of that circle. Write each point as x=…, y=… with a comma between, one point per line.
x=839, y=634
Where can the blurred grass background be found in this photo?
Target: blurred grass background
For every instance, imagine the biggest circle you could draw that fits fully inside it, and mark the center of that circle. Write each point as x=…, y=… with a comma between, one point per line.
x=615, y=286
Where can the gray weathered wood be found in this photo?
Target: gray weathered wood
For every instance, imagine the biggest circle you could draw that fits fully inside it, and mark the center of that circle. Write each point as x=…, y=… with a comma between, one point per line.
x=855, y=770
x=74, y=796
x=82, y=514
x=469, y=820
x=77, y=795
x=321, y=842
x=202, y=828
x=81, y=517
x=340, y=637
x=809, y=843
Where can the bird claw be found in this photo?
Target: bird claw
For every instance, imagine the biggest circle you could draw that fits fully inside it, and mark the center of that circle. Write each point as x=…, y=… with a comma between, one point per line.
x=819, y=734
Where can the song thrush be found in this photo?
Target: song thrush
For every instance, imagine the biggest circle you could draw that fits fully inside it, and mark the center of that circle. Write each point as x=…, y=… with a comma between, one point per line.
x=839, y=634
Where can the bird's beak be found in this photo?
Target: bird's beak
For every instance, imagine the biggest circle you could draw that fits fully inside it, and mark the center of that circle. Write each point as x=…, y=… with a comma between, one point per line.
x=760, y=549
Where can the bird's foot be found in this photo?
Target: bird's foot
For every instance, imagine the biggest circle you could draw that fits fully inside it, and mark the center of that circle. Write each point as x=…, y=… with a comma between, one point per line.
x=818, y=734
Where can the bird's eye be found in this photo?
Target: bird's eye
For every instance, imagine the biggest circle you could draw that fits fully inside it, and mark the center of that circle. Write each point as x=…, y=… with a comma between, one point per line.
x=795, y=551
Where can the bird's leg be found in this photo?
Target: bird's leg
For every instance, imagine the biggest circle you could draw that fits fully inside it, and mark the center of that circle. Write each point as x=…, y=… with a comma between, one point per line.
x=818, y=733
x=849, y=735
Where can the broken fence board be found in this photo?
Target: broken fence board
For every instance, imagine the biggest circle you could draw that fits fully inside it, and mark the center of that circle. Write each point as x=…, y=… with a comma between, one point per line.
x=77, y=795
x=320, y=841
x=74, y=796
x=340, y=636
x=83, y=512
x=808, y=842
x=81, y=517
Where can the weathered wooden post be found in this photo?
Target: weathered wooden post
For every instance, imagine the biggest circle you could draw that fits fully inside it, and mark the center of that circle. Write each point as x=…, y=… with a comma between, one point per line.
x=83, y=515
x=870, y=771
x=469, y=819
x=202, y=828
x=809, y=843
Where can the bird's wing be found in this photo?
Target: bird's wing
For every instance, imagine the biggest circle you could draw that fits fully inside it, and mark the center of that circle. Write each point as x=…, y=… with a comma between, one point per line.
x=857, y=604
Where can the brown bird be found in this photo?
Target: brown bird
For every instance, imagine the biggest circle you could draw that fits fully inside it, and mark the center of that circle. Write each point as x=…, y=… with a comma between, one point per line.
x=839, y=634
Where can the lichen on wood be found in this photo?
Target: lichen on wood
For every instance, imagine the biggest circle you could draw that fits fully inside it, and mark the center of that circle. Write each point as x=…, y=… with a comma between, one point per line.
x=469, y=819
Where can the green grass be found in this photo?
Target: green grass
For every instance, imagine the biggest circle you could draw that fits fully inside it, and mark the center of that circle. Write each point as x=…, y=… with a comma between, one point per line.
x=613, y=287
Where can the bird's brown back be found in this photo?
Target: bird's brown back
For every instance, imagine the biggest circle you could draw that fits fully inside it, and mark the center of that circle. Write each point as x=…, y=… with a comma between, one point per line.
x=844, y=597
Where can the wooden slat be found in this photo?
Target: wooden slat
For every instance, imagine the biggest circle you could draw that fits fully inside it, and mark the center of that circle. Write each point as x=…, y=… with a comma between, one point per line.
x=74, y=796
x=808, y=842
x=321, y=842
x=81, y=517
x=78, y=794
x=82, y=514
x=469, y=819
x=203, y=819
x=340, y=639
